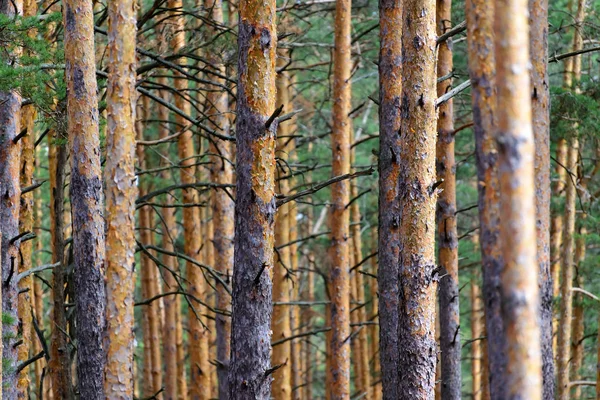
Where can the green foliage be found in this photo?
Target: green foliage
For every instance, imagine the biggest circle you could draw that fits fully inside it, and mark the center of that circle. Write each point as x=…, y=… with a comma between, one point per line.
x=574, y=114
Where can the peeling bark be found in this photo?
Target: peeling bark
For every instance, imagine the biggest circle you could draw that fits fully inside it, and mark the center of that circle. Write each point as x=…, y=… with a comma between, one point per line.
x=418, y=195
x=250, y=367
x=120, y=199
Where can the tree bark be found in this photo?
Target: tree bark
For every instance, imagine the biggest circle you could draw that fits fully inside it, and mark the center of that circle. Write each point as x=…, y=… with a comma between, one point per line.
x=221, y=171
x=417, y=277
x=120, y=199
x=86, y=195
x=338, y=367
x=250, y=369
x=476, y=345
x=450, y=344
x=10, y=199
x=390, y=92
x=514, y=136
x=540, y=101
x=282, y=378
x=482, y=70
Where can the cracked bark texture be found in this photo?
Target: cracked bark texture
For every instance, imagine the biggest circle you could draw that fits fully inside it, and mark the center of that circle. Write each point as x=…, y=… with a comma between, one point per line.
x=221, y=171
x=514, y=137
x=10, y=201
x=338, y=357
x=450, y=344
x=120, y=199
x=482, y=71
x=540, y=102
x=390, y=92
x=250, y=365
x=417, y=273
x=86, y=195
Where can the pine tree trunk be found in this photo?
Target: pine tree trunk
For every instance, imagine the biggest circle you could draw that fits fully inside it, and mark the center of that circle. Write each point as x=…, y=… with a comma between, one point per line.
x=514, y=136
x=480, y=16
x=364, y=384
x=390, y=92
x=450, y=345
x=418, y=195
x=566, y=305
x=282, y=378
x=120, y=199
x=86, y=195
x=338, y=354
x=28, y=114
x=60, y=360
x=374, y=329
x=250, y=369
x=540, y=96
x=10, y=199
x=170, y=284
x=221, y=172
x=476, y=344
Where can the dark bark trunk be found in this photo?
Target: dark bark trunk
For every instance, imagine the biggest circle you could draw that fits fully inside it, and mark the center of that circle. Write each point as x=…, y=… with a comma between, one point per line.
x=390, y=90
x=86, y=196
x=250, y=372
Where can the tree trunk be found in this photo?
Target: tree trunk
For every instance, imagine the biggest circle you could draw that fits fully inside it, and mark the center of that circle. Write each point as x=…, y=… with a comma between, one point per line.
x=476, y=344
x=171, y=311
x=250, y=369
x=480, y=36
x=87, y=202
x=390, y=91
x=221, y=172
x=566, y=306
x=450, y=344
x=10, y=199
x=25, y=286
x=60, y=360
x=120, y=199
x=514, y=136
x=374, y=343
x=540, y=97
x=339, y=216
x=418, y=195
x=363, y=386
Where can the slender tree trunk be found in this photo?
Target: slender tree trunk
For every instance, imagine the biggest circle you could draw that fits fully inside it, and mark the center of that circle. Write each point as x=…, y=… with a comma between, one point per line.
x=450, y=344
x=556, y=230
x=282, y=378
x=566, y=306
x=171, y=311
x=250, y=369
x=309, y=360
x=339, y=216
x=540, y=101
x=520, y=300
x=390, y=93
x=418, y=195
x=578, y=333
x=38, y=298
x=86, y=195
x=364, y=384
x=60, y=360
x=480, y=16
x=476, y=345
x=221, y=172
x=10, y=199
x=120, y=199
x=374, y=343
x=28, y=114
